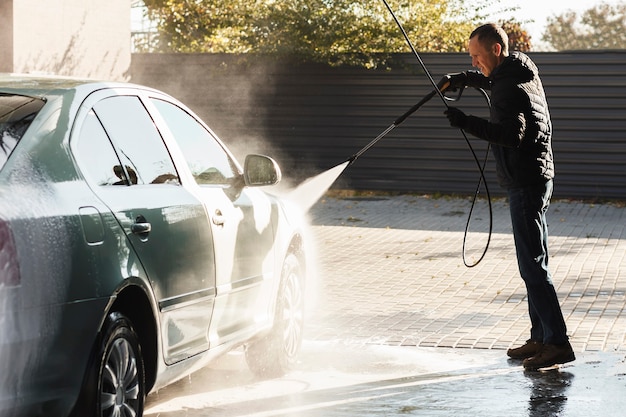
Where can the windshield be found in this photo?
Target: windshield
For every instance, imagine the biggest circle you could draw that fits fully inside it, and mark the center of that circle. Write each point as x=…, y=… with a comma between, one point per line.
x=16, y=114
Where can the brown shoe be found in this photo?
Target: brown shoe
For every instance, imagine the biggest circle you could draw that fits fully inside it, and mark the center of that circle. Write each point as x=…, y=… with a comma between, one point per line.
x=529, y=349
x=550, y=356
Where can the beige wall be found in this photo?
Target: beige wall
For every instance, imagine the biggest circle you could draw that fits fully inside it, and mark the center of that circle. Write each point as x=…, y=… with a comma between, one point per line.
x=83, y=38
x=6, y=36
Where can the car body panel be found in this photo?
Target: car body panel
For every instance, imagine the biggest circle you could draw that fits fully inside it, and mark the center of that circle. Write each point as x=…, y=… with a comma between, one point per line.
x=242, y=221
x=202, y=260
x=245, y=235
x=177, y=252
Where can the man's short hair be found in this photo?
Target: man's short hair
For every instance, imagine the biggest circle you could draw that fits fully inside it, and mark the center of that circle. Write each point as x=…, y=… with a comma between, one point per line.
x=489, y=34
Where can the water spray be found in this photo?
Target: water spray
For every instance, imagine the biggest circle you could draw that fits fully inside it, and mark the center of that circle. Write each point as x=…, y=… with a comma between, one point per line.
x=311, y=190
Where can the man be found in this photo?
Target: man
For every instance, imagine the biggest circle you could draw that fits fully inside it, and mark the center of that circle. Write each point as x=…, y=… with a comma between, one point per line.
x=520, y=130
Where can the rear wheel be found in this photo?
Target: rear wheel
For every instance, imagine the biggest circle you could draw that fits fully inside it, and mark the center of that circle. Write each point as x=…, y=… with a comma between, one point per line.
x=276, y=353
x=115, y=385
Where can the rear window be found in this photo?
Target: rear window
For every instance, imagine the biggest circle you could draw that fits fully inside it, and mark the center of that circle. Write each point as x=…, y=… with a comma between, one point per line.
x=16, y=114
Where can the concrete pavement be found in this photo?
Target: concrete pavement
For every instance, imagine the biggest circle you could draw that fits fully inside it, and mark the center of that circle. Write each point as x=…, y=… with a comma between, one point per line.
x=399, y=326
x=391, y=272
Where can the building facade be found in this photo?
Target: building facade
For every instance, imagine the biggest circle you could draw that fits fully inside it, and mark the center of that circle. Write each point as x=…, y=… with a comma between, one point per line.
x=82, y=38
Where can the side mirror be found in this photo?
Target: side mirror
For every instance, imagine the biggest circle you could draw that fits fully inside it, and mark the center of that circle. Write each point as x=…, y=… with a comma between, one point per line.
x=260, y=170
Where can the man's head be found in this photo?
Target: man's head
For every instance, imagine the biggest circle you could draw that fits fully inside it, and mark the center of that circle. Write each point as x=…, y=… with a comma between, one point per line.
x=488, y=46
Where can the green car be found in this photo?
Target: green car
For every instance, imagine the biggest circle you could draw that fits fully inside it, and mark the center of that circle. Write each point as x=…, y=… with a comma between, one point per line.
x=134, y=249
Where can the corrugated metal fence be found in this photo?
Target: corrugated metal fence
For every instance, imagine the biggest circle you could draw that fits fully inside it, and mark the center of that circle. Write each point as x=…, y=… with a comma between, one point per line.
x=313, y=117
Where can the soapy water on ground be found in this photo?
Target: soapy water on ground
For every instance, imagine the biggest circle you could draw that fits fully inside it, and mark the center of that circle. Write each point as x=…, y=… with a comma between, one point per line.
x=324, y=367
x=337, y=379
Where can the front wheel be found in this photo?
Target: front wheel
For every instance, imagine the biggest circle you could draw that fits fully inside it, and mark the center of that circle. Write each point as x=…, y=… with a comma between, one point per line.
x=276, y=353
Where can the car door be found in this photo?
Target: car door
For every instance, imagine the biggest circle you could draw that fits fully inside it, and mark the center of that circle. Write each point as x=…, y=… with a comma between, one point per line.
x=242, y=220
x=165, y=223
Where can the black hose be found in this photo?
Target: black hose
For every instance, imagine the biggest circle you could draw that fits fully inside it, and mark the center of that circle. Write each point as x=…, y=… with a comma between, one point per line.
x=481, y=179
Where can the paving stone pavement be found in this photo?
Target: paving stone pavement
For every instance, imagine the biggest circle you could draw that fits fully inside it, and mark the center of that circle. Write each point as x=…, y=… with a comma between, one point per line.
x=390, y=271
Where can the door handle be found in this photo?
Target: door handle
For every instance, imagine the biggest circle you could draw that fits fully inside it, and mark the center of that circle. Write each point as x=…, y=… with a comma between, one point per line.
x=141, y=226
x=218, y=218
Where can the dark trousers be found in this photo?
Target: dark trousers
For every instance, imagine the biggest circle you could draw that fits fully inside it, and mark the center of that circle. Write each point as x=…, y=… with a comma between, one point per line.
x=530, y=230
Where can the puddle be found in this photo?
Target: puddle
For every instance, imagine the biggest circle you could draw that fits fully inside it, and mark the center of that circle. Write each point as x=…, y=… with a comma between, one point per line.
x=336, y=379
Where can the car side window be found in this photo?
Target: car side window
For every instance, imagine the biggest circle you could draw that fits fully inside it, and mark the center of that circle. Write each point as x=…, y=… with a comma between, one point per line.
x=208, y=161
x=16, y=114
x=96, y=154
x=141, y=149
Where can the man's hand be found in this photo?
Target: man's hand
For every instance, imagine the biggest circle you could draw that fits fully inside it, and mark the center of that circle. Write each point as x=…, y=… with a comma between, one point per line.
x=456, y=81
x=456, y=117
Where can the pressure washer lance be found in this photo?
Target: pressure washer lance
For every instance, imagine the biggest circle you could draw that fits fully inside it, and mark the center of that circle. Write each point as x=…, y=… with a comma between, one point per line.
x=443, y=85
x=439, y=88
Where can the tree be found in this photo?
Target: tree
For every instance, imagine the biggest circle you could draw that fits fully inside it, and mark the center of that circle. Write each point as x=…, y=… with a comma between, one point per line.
x=358, y=32
x=600, y=27
x=519, y=39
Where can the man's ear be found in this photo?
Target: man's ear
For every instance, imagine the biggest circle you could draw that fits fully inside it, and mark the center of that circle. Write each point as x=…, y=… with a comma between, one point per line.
x=497, y=49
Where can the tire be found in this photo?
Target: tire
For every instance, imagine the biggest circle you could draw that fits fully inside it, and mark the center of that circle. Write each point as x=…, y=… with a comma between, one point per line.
x=115, y=385
x=276, y=353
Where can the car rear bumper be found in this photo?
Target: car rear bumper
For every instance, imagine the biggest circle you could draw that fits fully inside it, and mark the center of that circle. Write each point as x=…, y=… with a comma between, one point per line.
x=43, y=356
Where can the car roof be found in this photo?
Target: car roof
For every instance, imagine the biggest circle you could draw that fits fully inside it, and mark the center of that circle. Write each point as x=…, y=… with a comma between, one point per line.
x=45, y=85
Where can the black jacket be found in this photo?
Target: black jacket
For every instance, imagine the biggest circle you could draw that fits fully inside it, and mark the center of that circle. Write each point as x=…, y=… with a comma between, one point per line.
x=519, y=127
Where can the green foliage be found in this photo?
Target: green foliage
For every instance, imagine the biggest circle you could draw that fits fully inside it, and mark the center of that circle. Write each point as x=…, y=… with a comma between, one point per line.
x=600, y=27
x=519, y=39
x=354, y=32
